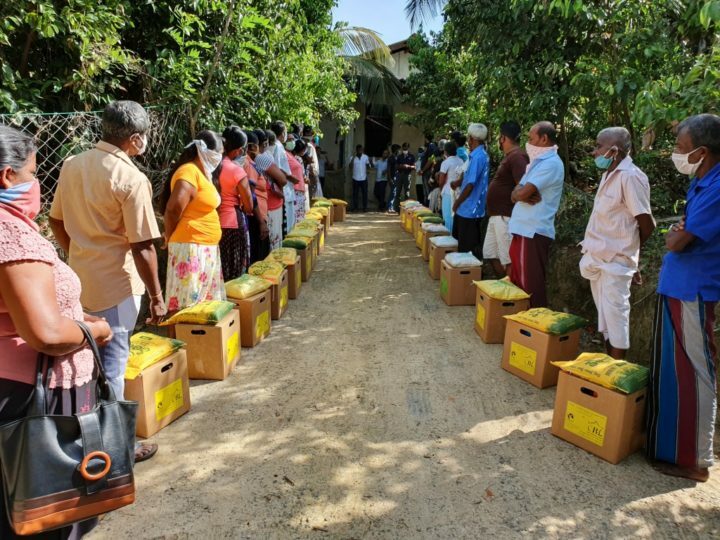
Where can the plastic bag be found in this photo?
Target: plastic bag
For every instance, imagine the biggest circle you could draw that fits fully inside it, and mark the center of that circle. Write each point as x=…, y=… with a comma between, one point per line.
x=338, y=202
x=323, y=204
x=462, y=260
x=246, y=286
x=551, y=322
x=434, y=227
x=604, y=370
x=147, y=349
x=444, y=241
x=409, y=202
x=303, y=233
x=296, y=242
x=432, y=219
x=270, y=270
x=501, y=289
x=308, y=224
x=425, y=212
x=284, y=255
x=208, y=312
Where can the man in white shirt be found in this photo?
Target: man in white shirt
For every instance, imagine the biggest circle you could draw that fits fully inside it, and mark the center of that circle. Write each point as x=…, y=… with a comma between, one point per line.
x=620, y=223
x=359, y=165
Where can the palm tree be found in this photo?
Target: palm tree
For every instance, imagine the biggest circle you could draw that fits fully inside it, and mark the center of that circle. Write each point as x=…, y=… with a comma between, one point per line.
x=420, y=10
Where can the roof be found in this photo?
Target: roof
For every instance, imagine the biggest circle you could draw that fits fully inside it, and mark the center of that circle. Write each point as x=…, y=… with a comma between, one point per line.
x=400, y=46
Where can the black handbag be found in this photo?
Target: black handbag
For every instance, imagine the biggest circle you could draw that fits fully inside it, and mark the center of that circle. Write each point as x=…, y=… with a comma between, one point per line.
x=58, y=470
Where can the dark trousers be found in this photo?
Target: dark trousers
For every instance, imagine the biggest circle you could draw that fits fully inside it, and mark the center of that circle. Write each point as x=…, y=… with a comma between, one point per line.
x=400, y=190
x=259, y=248
x=420, y=190
x=528, y=265
x=360, y=188
x=381, y=195
x=470, y=234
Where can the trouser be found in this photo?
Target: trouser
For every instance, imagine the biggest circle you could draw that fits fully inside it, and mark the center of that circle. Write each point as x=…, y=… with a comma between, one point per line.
x=425, y=185
x=528, y=265
x=381, y=194
x=400, y=190
x=469, y=234
x=360, y=188
x=114, y=355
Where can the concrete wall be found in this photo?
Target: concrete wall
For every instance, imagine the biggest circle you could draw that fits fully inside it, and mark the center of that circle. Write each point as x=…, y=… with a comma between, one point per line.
x=401, y=68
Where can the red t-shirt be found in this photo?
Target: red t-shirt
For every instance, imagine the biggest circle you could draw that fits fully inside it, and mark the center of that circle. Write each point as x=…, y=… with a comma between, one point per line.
x=297, y=170
x=230, y=176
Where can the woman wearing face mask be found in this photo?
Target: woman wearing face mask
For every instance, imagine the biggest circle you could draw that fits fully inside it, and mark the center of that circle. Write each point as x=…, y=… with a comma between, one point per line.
x=236, y=204
x=192, y=226
x=682, y=391
x=39, y=302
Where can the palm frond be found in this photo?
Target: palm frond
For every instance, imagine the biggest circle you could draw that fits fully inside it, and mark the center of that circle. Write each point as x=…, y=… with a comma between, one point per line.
x=374, y=82
x=359, y=41
x=422, y=10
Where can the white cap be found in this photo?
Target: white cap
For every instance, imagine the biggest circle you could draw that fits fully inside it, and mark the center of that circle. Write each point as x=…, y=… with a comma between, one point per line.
x=477, y=131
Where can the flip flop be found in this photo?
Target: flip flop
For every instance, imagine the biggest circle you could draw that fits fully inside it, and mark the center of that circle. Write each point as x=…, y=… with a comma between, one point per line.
x=145, y=451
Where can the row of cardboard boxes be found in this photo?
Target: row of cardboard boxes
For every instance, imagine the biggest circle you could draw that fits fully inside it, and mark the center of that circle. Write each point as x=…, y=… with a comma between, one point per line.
x=206, y=340
x=590, y=409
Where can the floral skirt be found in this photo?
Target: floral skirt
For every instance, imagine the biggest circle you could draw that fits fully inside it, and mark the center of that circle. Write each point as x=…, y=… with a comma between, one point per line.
x=194, y=274
x=299, y=206
x=235, y=249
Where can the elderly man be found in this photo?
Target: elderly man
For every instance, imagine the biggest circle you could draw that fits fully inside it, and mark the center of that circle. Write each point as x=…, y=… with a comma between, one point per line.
x=682, y=400
x=469, y=207
x=621, y=221
x=532, y=223
x=102, y=217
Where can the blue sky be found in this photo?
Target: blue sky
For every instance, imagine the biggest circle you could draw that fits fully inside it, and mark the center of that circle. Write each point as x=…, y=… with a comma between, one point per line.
x=386, y=17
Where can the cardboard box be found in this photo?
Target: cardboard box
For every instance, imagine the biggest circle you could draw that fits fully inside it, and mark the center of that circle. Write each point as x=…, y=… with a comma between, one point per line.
x=255, y=318
x=326, y=220
x=314, y=251
x=427, y=235
x=212, y=350
x=162, y=391
x=339, y=211
x=321, y=239
x=279, y=295
x=305, y=262
x=490, y=314
x=436, y=257
x=295, y=278
x=456, y=284
x=331, y=215
x=604, y=422
x=528, y=352
x=403, y=216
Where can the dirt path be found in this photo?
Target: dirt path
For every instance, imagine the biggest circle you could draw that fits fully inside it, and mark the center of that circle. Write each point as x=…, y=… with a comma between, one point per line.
x=374, y=411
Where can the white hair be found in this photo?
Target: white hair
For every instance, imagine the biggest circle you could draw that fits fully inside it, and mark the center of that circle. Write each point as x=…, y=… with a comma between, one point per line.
x=478, y=131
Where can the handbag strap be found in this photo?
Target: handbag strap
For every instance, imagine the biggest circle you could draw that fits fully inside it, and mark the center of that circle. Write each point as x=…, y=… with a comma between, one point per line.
x=92, y=446
x=105, y=391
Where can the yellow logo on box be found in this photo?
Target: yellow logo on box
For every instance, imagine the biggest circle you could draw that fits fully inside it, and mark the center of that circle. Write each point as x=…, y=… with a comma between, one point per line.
x=523, y=358
x=233, y=346
x=432, y=264
x=283, y=297
x=262, y=324
x=169, y=399
x=585, y=423
x=480, y=317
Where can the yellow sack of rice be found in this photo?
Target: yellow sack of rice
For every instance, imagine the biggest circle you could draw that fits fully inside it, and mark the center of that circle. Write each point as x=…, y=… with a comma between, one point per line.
x=208, y=312
x=308, y=224
x=302, y=233
x=146, y=349
x=338, y=202
x=549, y=321
x=604, y=370
x=246, y=286
x=296, y=242
x=271, y=271
x=501, y=289
x=320, y=210
x=284, y=255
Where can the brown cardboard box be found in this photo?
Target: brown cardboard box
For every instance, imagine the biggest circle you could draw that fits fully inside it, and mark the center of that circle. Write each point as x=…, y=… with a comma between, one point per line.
x=490, y=314
x=418, y=238
x=456, y=284
x=436, y=257
x=295, y=278
x=255, y=324
x=321, y=239
x=331, y=215
x=403, y=216
x=212, y=350
x=427, y=235
x=326, y=220
x=339, y=211
x=528, y=353
x=314, y=252
x=305, y=262
x=162, y=391
x=604, y=422
x=279, y=297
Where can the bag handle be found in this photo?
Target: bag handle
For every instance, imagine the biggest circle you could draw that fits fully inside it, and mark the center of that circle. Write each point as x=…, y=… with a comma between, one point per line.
x=104, y=390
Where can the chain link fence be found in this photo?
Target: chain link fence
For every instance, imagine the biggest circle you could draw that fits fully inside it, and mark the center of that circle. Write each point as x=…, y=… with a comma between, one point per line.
x=60, y=135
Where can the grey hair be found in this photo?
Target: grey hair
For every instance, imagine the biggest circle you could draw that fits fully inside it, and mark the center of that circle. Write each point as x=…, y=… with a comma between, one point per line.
x=619, y=136
x=15, y=148
x=704, y=130
x=478, y=131
x=121, y=119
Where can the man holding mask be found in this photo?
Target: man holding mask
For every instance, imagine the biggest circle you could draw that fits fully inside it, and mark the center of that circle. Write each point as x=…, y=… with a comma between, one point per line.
x=620, y=223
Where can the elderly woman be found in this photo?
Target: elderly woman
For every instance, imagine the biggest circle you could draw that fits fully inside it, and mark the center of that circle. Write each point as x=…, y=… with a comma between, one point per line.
x=682, y=400
x=192, y=226
x=39, y=304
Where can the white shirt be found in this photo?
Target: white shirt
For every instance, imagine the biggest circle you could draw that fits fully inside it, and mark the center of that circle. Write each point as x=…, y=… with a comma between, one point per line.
x=452, y=166
x=360, y=165
x=280, y=157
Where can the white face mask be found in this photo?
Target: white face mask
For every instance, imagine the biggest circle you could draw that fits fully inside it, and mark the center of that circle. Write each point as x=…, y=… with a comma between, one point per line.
x=240, y=160
x=210, y=159
x=683, y=165
x=535, y=152
x=141, y=149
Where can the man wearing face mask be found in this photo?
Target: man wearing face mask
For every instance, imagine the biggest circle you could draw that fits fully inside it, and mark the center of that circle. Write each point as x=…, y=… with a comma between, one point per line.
x=404, y=164
x=532, y=224
x=102, y=217
x=620, y=223
x=682, y=392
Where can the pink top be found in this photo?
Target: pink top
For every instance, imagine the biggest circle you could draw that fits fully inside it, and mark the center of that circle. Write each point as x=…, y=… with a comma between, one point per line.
x=18, y=362
x=230, y=176
x=297, y=170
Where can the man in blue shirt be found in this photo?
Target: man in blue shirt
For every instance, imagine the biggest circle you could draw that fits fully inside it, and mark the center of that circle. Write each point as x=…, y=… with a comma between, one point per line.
x=469, y=207
x=682, y=391
x=532, y=224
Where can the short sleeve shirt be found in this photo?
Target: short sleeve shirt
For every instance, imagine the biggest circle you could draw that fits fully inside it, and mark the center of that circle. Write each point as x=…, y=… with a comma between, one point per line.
x=547, y=174
x=263, y=162
x=231, y=176
x=105, y=204
x=199, y=223
x=359, y=167
x=381, y=167
x=509, y=173
x=452, y=166
x=477, y=175
x=297, y=170
x=694, y=273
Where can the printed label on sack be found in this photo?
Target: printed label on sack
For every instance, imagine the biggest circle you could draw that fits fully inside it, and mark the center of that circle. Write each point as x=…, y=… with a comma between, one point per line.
x=262, y=324
x=443, y=286
x=233, y=346
x=169, y=399
x=283, y=298
x=523, y=358
x=480, y=317
x=585, y=423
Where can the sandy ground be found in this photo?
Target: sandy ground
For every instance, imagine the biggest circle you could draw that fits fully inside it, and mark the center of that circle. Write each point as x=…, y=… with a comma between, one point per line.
x=374, y=411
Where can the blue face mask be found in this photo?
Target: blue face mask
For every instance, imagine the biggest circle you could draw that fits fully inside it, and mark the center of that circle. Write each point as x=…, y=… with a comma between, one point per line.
x=603, y=162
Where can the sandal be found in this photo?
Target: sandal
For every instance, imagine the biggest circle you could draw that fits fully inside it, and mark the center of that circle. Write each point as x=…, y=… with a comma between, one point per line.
x=145, y=451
